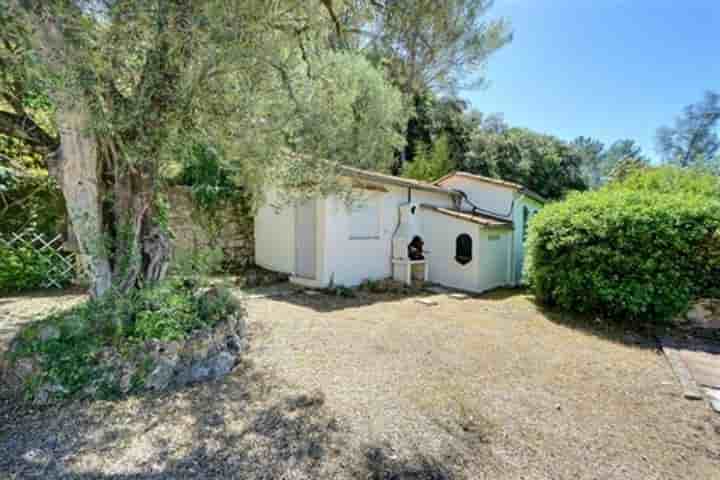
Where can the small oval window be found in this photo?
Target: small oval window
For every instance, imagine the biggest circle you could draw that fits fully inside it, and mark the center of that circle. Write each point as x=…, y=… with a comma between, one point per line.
x=463, y=249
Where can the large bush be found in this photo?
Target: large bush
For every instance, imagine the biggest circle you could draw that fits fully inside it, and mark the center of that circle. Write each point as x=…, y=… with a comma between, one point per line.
x=638, y=249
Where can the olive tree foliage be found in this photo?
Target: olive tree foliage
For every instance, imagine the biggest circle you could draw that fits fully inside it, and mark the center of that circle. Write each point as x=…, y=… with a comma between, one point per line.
x=135, y=83
x=693, y=141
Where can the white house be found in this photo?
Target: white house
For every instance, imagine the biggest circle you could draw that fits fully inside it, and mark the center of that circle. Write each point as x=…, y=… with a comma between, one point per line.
x=463, y=231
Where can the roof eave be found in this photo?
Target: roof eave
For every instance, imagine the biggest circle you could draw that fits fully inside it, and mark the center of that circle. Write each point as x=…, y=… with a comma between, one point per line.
x=397, y=181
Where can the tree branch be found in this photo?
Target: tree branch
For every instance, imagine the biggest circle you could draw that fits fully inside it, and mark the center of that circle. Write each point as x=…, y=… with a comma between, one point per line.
x=24, y=128
x=329, y=7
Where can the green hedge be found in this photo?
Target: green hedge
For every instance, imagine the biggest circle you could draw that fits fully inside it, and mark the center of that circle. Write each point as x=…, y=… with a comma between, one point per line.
x=641, y=249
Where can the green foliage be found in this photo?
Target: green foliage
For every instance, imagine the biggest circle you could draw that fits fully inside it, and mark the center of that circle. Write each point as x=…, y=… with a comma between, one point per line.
x=542, y=163
x=693, y=140
x=210, y=179
x=351, y=117
x=670, y=180
x=431, y=165
x=435, y=45
x=639, y=249
x=199, y=263
x=387, y=286
x=29, y=200
x=167, y=311
x=171, y=310
x=341, y=291
x=626, y=167
x=23, y=268
x=599, y=164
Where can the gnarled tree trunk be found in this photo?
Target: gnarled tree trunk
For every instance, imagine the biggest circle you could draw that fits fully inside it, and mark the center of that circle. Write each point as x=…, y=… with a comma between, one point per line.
x=75, y=167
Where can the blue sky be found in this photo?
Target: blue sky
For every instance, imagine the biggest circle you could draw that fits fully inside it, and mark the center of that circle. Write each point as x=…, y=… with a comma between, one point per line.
x=609, y=69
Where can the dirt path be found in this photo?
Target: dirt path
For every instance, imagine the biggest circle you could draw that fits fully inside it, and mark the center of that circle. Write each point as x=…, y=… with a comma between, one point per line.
x=386, y=388
x=17, y=310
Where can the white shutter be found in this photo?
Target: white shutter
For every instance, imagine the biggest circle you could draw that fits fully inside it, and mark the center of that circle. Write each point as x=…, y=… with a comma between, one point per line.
x=365, y=218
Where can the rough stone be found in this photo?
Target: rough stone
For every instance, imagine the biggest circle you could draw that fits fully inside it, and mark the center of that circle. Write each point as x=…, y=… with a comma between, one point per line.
x=49, y=332
x=208, y=353
x=199, y=371
x=235, y=238
x=126, y=378
x=162, y=374
x=25, y=367
x=697, y=313
x=46, y=391
x=221, y=364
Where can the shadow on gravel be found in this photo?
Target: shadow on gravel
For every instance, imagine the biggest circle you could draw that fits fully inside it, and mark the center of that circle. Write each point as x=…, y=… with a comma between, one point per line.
x=245, y=426
x=324, y=301
x=631, y=334
x=383, y=464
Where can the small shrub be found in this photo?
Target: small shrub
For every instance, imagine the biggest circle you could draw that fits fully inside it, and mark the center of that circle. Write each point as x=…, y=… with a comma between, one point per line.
x=640, y=249
x=387, y=286
x=341, y=291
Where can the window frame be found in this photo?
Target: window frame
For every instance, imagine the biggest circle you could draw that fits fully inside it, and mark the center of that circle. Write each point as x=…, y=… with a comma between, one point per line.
x=463, y=260
x=370, y=201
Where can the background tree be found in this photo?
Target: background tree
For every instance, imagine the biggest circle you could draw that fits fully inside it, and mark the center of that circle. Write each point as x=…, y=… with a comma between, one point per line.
x=621, y=150
x=437, y=117
x=543, y=163
x=592, y=160
x=136, y=83
x=431, y=48
x=693, y=141
x=430, y=163
x=438, y=45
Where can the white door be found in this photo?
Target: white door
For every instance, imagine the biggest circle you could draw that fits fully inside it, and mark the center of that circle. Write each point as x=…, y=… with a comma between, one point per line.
x=305, y=239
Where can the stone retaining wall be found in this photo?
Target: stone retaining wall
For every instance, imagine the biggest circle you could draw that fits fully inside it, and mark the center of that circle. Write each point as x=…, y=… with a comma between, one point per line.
x=235, y=238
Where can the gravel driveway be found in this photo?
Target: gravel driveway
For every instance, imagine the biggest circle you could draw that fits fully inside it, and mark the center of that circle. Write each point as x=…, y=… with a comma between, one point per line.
x=389, y=388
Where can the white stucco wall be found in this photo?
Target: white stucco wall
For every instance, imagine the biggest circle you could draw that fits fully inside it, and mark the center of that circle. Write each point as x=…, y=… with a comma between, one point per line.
x=490, y=265
x=275, y=237
x=502, y=201
x=490, y=197
x=441, y=232
x=430, y=198
x=348, y=261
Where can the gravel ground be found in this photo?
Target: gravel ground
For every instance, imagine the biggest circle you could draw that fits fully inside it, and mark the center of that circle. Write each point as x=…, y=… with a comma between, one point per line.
x=389, y=388
x=17, y=310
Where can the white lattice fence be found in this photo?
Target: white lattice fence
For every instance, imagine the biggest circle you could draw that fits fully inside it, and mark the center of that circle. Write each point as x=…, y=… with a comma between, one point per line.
x=59, y=265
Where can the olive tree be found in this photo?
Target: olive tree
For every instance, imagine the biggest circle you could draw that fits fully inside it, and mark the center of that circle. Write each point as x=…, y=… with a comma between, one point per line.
x=134, y=83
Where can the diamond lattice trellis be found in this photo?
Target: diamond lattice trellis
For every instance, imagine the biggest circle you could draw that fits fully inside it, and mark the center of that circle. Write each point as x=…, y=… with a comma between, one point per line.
x=61, y=264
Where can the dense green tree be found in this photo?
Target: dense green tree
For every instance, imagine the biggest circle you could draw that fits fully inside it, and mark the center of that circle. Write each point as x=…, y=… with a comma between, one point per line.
x=542, y=163
x=429, y=164
x=133, y=83
x=693, y=141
